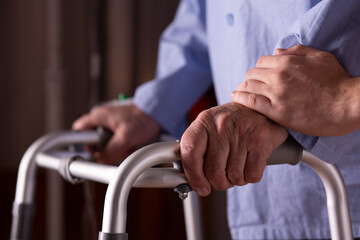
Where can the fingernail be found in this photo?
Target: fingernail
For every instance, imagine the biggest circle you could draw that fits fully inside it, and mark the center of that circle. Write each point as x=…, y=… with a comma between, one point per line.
x=203, y=191
x=281, y=49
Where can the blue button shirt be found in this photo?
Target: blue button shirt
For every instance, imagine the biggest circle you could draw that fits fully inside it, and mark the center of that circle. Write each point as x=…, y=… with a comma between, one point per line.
x=217, y=42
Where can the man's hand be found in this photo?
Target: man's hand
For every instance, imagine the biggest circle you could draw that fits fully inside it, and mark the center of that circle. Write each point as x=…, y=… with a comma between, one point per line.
x=131, y=127
x=303, y=89
x=228, y=145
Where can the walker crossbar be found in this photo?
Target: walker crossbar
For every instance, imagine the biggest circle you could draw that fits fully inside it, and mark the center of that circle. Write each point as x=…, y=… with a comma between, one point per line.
x=136, y=171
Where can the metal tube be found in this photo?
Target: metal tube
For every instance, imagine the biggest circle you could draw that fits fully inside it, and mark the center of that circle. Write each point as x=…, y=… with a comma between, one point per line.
x=150, y=178
x=336, y=196
x=114, y=217
x=48, y=161
x=192, y=214
x=26, y=175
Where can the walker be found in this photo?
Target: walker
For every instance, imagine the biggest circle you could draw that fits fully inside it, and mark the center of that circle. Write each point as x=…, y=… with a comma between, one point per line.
x=136, y=171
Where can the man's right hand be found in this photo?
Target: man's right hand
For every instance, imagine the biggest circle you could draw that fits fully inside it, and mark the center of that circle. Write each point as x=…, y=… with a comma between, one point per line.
x=130, y=125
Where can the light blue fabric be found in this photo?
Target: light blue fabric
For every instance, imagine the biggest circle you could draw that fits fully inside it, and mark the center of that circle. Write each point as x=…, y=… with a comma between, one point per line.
x=218, y=42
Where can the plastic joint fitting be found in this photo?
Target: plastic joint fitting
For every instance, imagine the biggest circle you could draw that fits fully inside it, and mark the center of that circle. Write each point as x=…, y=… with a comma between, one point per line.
x=65, y=172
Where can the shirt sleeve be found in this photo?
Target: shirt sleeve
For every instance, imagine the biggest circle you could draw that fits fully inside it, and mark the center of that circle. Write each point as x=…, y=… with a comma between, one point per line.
x=332, y=26
x=183, y=69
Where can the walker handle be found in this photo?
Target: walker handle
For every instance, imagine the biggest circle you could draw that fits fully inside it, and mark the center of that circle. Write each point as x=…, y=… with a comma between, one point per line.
x=105, y=136
x=289, y=152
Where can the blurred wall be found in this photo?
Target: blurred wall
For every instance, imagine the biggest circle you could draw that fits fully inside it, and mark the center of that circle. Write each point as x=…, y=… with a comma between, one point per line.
x=127, y=34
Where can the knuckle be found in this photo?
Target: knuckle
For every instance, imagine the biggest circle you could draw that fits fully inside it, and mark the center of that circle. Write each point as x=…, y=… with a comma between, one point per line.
x=236, y=178
x=260, y=60
x=326, y=55
x=252, y=100
x=299, y=47
x=279, y=75
x=187, y=151
x=194, y=179
x=245, y=84
x=250, y=73
x=217, y=178
x=204, y=116
x=288, y=60
x=252, y=176
x=223, y=122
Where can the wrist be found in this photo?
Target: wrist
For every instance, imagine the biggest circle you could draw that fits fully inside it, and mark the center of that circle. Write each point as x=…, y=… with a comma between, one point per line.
x=352, y=104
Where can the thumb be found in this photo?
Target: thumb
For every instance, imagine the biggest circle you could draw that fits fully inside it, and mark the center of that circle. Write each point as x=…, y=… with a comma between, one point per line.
x=298, y=50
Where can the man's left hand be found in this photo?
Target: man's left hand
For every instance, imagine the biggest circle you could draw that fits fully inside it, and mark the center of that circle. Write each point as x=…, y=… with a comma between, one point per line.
x=228, y=145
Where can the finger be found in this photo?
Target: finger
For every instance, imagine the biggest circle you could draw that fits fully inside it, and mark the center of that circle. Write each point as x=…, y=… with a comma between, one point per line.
x=84, y=122
x=256, y=87
x=193, y=146
x=91, y=120
x=254, y=166
x=269, y=62
x=236, y=163
x=256, y=102
x=299, y=50
x=215, y=162
x=261, y=74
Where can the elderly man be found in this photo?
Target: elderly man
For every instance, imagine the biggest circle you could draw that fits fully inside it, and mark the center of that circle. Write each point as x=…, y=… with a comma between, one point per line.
x=218, y=42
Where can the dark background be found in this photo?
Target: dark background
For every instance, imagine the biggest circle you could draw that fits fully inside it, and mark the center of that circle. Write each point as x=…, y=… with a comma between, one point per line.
x=124, y=34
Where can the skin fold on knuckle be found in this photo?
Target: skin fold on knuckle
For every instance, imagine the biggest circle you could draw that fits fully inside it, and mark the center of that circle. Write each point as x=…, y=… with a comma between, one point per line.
x=244, y=85
x=187, y=149
x=217, y=178
x=236, y=177
x=299, y=47
x=250, y=73
x=253, y=176
x=195, y=179
x=278, y=76
x=253, y=172
x=287, y=60
x=251, y=101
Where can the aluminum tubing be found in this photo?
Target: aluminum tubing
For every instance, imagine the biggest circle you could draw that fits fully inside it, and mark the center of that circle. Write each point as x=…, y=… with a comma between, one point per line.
x=114, y=217
x=290, y=152
x=192, y=214
x=150, y=178
x=102, y=173
x=336, y=197
x=26, y=175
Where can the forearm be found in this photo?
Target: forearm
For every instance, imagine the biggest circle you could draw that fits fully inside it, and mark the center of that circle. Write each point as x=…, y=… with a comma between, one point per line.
x=183, y=70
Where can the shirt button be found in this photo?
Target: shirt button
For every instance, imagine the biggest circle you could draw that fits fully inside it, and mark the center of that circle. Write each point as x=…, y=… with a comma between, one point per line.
x=230, y=19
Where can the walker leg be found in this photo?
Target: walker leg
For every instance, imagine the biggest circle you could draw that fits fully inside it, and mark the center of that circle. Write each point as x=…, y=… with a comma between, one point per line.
x=192, y=214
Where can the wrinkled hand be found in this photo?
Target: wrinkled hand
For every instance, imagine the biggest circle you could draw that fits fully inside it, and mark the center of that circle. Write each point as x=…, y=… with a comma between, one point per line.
x=301, y=88
x=228, y=145
x=131, y=127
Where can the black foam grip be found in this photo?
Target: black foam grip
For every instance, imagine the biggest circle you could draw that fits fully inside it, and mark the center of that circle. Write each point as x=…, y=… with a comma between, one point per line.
x=22, y=221
x=105, y=135
x=289, y=152
x=112, y=236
